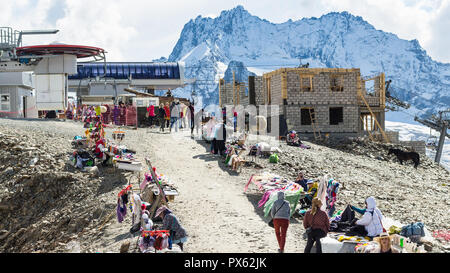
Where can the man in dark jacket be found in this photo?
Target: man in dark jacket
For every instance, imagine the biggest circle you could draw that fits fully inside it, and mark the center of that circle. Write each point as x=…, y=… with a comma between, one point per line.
x=161, y=117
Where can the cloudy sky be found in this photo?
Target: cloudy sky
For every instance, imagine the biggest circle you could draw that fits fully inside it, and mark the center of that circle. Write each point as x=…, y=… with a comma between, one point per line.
x=143, y=30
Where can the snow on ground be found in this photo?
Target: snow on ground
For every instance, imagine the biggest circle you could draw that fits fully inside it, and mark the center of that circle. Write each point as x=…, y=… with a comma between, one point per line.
x=411, y=130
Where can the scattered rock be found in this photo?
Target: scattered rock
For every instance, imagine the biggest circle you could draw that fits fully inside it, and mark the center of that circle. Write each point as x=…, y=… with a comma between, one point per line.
x=124, y=247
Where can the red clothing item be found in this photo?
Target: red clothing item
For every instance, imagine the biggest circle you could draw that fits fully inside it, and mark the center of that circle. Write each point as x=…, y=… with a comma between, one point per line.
x=97, y=148
x=281, y=226
x=318, y=221
x=167, y=109
x=151, y=111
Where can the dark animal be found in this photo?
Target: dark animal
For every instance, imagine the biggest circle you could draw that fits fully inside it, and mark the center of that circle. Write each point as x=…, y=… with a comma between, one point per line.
x=404, y=156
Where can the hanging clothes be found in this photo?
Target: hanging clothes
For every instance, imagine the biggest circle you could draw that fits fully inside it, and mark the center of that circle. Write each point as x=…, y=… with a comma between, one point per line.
x=136, y=206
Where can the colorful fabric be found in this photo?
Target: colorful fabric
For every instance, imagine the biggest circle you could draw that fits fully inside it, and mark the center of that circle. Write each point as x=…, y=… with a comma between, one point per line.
x=265, y=197
x=342, y=238
x=291, y=198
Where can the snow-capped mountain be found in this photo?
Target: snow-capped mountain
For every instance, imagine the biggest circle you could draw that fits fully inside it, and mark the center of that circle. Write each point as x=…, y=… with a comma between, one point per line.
x=208, y=45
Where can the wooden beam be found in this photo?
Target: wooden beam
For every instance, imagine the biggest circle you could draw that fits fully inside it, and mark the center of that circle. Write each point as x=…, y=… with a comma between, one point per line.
x=370, y=110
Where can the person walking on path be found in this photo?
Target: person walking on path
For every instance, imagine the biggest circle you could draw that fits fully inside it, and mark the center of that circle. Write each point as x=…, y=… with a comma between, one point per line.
x=151, y=115
x=174, y=116
x=281, y=213
x=318, y=224
x=191, y=116
x=167, y=118
x=161, y=117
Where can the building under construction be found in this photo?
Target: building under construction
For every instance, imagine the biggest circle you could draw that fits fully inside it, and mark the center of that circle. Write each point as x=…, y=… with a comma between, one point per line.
x=316, y=101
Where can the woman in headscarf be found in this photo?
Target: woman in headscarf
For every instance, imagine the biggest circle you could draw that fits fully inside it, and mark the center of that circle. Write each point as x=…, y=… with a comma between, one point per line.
x=318, y=223
x=178, y=234
x=372, y=218
x=281, y=212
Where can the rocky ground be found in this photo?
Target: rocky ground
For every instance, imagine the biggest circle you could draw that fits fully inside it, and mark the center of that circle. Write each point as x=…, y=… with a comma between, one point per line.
x=47, y=205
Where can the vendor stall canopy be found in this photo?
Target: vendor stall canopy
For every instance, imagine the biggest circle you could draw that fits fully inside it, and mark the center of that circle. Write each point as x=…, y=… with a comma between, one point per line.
x=123, y=70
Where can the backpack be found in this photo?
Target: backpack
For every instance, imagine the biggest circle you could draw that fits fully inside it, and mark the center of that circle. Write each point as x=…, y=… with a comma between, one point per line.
x=413, y=229
x=273, y=158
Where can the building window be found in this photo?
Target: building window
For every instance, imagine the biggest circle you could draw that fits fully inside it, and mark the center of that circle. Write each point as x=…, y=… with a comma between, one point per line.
x=305, y=115
x=306, y=83
x=5, y=103
x=337, y=83
x=336, y=115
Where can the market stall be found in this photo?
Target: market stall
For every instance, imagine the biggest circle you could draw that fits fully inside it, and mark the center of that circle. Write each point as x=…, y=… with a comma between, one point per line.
x=269, y=184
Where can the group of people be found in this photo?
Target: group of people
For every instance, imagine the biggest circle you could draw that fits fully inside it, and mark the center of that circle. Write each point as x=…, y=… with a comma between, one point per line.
x=116, y=114
x=316, y=220
x=176, y=115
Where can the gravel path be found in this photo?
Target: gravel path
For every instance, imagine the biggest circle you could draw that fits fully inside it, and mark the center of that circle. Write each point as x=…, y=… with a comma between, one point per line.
x=219, y=217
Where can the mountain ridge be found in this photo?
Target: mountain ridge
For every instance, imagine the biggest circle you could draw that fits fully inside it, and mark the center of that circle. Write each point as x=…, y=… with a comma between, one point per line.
x=336, y=39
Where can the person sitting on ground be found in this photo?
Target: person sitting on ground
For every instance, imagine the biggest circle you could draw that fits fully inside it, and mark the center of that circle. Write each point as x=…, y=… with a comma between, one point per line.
x=281, y=213
x=100, y=149
x=372, y=218
x=310, y=194
x=293, y=139
x=319, y=224
x=302, y=181
x=237, y=161
x=178, y=234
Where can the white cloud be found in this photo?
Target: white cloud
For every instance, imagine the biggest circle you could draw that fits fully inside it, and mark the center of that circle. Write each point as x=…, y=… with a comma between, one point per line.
x=141, y=30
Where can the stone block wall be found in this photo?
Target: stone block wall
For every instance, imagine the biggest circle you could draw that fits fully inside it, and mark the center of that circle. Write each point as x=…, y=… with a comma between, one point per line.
x=321, y=92
x=393, y=136
x=275, y=90
x=322, y=116
x=226, y=94
x=259, y=90
x=417, y=146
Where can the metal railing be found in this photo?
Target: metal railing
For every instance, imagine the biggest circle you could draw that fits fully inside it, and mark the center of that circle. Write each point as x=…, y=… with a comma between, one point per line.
x=8, y=38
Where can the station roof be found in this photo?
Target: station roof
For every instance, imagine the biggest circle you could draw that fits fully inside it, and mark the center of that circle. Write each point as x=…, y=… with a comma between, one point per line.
x=123, y=70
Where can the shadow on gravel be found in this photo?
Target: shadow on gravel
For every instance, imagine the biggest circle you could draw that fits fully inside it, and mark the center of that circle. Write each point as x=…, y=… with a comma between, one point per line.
x=110, y=180
x=124, y=236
